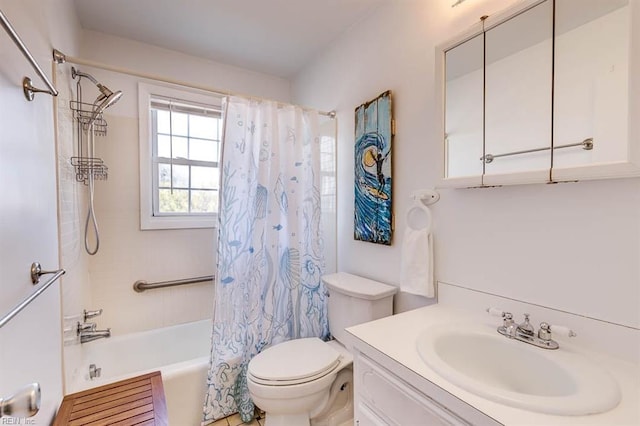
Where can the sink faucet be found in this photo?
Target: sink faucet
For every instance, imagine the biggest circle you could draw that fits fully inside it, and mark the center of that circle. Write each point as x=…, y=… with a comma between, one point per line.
x=525, y=332
x=91, y=335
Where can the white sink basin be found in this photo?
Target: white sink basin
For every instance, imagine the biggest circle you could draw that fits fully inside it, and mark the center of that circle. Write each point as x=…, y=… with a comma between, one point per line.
x=517, y=374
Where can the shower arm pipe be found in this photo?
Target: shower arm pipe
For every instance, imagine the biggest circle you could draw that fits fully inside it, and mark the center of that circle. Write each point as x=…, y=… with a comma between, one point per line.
x=61, y=58
x=27, y=86
x=141, y=285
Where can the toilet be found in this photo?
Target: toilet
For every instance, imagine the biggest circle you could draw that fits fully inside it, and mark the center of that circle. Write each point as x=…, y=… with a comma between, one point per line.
x=308, y=381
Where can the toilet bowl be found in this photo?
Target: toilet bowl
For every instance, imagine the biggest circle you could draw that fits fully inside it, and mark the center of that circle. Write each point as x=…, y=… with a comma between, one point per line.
x=307, y=381
x=292, y=381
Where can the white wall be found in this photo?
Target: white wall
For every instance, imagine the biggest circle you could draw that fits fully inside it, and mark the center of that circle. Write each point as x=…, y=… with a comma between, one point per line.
x=76, y=293
x=31, y=343
x=573, y=247
x=126, y=253
x=141, y=57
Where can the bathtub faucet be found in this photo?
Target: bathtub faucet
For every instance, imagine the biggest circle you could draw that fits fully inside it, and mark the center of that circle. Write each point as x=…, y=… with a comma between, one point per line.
x=91, y=335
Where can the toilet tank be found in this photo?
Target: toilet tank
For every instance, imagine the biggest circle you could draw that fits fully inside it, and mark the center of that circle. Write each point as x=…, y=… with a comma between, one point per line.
x=354, y=300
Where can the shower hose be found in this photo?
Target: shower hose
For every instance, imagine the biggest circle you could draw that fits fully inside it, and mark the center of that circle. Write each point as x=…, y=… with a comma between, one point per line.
x=91, y=215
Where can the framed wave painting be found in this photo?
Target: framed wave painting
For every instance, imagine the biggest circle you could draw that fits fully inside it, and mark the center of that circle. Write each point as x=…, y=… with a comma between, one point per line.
x=373, y=140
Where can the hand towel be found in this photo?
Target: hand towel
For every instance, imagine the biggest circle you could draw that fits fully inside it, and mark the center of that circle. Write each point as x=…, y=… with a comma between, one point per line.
x=416, y=274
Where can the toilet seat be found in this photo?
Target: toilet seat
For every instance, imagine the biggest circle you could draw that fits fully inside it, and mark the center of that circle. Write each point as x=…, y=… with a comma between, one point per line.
x=293, y=362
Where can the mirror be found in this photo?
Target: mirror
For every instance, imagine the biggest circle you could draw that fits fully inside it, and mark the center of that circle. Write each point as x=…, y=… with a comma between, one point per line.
x=464, y=93
x=519, y=56
x=591, y=96
x=541, y=93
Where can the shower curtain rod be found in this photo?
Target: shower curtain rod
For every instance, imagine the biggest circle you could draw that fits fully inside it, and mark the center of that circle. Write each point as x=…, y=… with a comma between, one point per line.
x=61, y=58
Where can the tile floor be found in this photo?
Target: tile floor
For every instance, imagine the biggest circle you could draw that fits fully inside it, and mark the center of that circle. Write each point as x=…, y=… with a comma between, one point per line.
x=234, y=420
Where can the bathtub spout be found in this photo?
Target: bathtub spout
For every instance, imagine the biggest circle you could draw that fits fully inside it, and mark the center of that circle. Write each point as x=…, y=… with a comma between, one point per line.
x=91, y=335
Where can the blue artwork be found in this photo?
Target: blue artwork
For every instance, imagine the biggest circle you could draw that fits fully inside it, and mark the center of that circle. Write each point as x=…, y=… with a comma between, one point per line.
x=372, y=220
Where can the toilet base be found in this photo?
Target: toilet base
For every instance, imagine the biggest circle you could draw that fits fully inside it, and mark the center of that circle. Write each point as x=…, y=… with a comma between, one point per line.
x=340, y=410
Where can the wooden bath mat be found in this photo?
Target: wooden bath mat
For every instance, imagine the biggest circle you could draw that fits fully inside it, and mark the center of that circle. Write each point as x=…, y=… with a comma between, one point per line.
x=136, y=401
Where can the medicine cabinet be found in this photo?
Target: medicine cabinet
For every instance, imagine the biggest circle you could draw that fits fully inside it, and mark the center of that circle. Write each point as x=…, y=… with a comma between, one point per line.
x=546, y=91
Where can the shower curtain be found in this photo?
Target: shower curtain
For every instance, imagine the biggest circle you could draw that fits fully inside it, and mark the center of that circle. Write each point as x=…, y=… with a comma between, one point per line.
x=268, y=286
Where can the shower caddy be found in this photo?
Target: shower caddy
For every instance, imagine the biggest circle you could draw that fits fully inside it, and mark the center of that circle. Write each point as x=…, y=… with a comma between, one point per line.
x=88, y=121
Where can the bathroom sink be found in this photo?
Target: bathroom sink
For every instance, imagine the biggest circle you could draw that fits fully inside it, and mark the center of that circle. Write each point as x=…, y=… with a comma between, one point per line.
x=483, y=362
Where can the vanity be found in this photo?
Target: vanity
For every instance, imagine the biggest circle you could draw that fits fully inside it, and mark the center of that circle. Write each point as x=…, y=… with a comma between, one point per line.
x=543, y=92
x=398, y=379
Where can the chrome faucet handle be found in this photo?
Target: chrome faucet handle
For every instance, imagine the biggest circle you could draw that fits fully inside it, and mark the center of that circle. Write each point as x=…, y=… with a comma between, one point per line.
x=562, y=330
x=83, y=327
x=526, y=328
x=508, y=325
x=495, y=312
x=506, y=316
x=544, y=333
x=91, y=314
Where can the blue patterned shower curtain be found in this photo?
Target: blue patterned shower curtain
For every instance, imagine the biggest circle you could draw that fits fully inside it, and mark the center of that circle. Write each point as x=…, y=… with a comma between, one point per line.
x=270, y=261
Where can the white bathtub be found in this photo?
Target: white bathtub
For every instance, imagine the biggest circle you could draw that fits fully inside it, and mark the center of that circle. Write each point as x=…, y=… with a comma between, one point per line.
x=180, y=352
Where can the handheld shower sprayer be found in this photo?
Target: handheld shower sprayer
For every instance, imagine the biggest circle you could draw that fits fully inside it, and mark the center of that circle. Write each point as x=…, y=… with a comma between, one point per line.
x=90, y=166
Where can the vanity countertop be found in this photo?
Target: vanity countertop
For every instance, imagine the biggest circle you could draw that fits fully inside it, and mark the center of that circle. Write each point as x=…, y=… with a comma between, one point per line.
x=395, y=337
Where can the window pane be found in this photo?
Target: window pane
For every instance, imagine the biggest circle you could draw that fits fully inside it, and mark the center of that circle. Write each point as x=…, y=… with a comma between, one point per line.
x=203, y=127
x=203, y=150
x=190, y=185
x=204, y=201
x=176, y=201
x=204, y=177
x=163, y=121
x=180, y=176
x=180, y=147
x=164, y=143
x=179, y=124
x=164, y=175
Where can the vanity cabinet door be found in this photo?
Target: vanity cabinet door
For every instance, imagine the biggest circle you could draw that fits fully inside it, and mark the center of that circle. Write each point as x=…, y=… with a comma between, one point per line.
x=395, y=402
x=592, y=84
x=464, y=92
x=560, y=80
x=518, y=97
x=365, y=416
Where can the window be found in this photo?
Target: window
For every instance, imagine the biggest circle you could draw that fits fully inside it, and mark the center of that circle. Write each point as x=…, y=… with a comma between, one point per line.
x=180, y=135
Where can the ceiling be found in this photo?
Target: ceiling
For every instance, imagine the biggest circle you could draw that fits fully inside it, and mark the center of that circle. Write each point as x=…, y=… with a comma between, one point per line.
x=277, y=37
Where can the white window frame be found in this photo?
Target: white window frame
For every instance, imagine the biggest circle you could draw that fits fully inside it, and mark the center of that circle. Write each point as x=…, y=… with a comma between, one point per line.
x=149, y=221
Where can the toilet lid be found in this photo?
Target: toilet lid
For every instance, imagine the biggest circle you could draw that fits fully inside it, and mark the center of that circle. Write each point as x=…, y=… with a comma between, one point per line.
x=294, y=361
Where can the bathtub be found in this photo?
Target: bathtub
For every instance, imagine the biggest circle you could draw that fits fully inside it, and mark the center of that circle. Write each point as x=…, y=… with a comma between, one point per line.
x=180, y=352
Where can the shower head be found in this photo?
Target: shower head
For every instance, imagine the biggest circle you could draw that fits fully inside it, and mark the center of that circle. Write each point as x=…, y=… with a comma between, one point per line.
x=104, y=100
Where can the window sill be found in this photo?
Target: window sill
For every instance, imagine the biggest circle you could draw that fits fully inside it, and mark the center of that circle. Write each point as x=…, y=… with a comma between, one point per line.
x=177, y=222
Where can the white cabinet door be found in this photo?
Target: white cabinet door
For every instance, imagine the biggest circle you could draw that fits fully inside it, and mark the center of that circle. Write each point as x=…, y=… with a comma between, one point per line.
x=393, y=401
x=364, y=416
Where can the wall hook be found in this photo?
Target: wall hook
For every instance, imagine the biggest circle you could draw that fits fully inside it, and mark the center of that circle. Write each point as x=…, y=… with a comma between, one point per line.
x=426, y=196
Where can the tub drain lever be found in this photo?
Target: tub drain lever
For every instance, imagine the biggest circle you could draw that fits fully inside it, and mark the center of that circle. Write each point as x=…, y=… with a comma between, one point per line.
x=94, y=371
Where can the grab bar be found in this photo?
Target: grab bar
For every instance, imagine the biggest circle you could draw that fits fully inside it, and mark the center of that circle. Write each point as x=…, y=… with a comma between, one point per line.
x=28, y=88
x=586, y=144
x=141, y=285
x=5, y=319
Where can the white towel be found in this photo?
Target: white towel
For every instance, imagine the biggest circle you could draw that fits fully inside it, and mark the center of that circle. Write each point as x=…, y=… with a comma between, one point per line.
x=416, y=274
